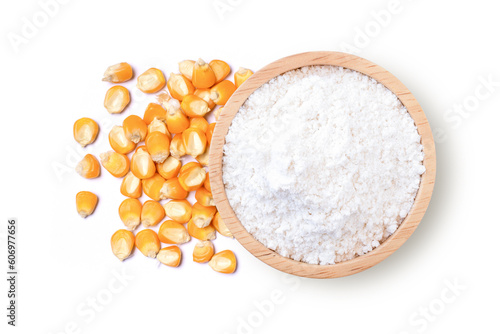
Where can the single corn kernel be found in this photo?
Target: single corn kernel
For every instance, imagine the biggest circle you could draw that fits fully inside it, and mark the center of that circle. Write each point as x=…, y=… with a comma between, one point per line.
x=221, y=69
x=135, y=128
x=119, y=142
x=152, y=186
x=176, y=121
x=152, y=213
x=171, y=232
x=220, y=226
x=154, y=110
x=170, y=256
x=221, y=92
x=204, y=197
x=203, y=251
x=223, y=262
x=241, y=76
x=177, y=148
x=199, y=123
x=88, y=167
x=158, y=146
x=142, y=164
x=86, y=203
x=202, y=215
x=207, y=185
x=204, y=93
x=148, y=243
x=178, y=210
x=116, y=100
x=193, y=178
x=85, y=131
x=117, y=73
x=186, y=68
x=169, y=168
x=203, y=75
x=130, y=213
x=151, y=81
x=194, y=106
x=194, y=141
x=209, y=132
x=188, y=166
x=122, y=244
x=158, y=126
x=172, y=189
x=179, y=86
x=131, y=186
x=203, y=158
x=217, y=113
x=116, y=164
x=203, y=234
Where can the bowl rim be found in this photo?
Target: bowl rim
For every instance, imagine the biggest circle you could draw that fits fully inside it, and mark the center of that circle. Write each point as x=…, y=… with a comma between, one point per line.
x=407, y=226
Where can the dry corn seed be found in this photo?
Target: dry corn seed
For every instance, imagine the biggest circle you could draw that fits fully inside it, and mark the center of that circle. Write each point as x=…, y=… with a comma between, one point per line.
x=204, y=197
x=221, y=69
x=209, y=132
x=194, y=106
x=203, y=251
x=205, y=233
x=170, y=256
x=135, y=128
x=203, y=75
x=223, y=262
x=117, y=73
x=202, y=215
x=85, y=131
x=203, y=158
x=178, y=210
x=169, y=168
x=176, y=120
x=186, y=68
x=158, y=126
x=190, y=164
x=116, y=100
x=88, y=167
x=119, y=142
x=217, y=113
x=199, y=123
x=179, y=86
x=116, y=164
x=204, y=93
x=207, y=185
x=158, y=146
x=152, y=213
x=152, y=186
x=151, y=81
x=241, y=76
x=131, y=186
x=172, y=232
x=122, y=244
x=142, y=164
x=148, y=243
x=221, y=92
x=86, y=203
x=192, y=179
x=195, y=141
x=130, y=213
x=220, y=226
x=154, y=110
x=172, y=189
x=177, y=148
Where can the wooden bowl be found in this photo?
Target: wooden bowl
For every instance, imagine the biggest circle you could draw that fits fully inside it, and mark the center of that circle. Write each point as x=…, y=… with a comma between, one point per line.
x=359, y=263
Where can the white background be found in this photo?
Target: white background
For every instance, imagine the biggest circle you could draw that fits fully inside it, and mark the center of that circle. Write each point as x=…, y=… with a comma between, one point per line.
x=441, y=50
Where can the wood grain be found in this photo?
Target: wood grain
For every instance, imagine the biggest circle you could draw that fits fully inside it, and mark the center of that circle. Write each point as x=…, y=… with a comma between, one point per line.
x=357, y=264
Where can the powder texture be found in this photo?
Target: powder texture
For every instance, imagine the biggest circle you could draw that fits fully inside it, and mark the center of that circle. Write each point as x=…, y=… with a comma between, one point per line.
x=322, y=164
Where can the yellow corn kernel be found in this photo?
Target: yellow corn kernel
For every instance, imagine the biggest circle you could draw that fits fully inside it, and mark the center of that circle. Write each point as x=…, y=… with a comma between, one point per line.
x=142, y=164
x=203, y=75
x=130, y=213
x=117, y=73
x=158, y=146
x=203, y=234
x=178, y=210
x=203, y=158
x=116, y=164
x=151, y=81
x=85, y=131
x=119, y=142
x=186, y=68
x=135, y=128
x=152, y=186
x=154, y=110
x=199, y=123
x=207, y=185
x=122, y=244
x=170, y=256
x=88, y=167
x=194, y=141
x=158, y=126
x=177, y=148
x=116, y=100
x=179, y=86
x=203, y=251
x=210, y=132
x=194, y=106
x=192, y=178
x=204, y=197
x=202, y=215
x=220, y=226
x=131, y=186
x=172, y=189
x=176, y=121
x=221, y=69
x=217, y=113
x=189, y=165
x=169, y=168
x=148, y=243
x=171, y=232
x=152, y=213
x=86, y=203
x=223, y=262
x=221, y=92
x=204, y=93
x=241, y=76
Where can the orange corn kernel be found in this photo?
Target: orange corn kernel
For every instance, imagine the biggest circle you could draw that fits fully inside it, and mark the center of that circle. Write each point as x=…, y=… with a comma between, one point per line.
x=142, y=164
x=170, y=256
x=194, y=141
x=151, y=81
x=203, y=234
x=189, y=165
x=116, y=164
x=135, y=128
x=158, y=126
x=186, y=68
x=88, y=167
x=210, y=132
x=194, y=106
x=116, y=100
x=122, y=244
x=199, y=123
x=85, y=131
x=204, y=93
x=223, y=262
x=221, y=69
x=202, y=215
x=204, y=197
x=179, y=86
x=131, y=186
x=203, y=75
x=203, y=158
x=130, y=213
x=154, y=110
x=158, y=146
x=152, y=186
x=217, y=113
x=169, y=168
x=152, y=213
x=207, y=185
x=86, y=203
x=176, y=121
x=192, y=178
x=117, y=73
x=148, y=243
x=221, y=92
x=177, y=148
x=119, y=142
x=179, y=210
x=241, y=76
x=172, y=189
x=171, y=232
x=219, y=225
x=203, y=251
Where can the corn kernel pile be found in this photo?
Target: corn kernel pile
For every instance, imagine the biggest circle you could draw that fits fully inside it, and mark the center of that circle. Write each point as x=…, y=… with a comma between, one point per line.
x=156, y=168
